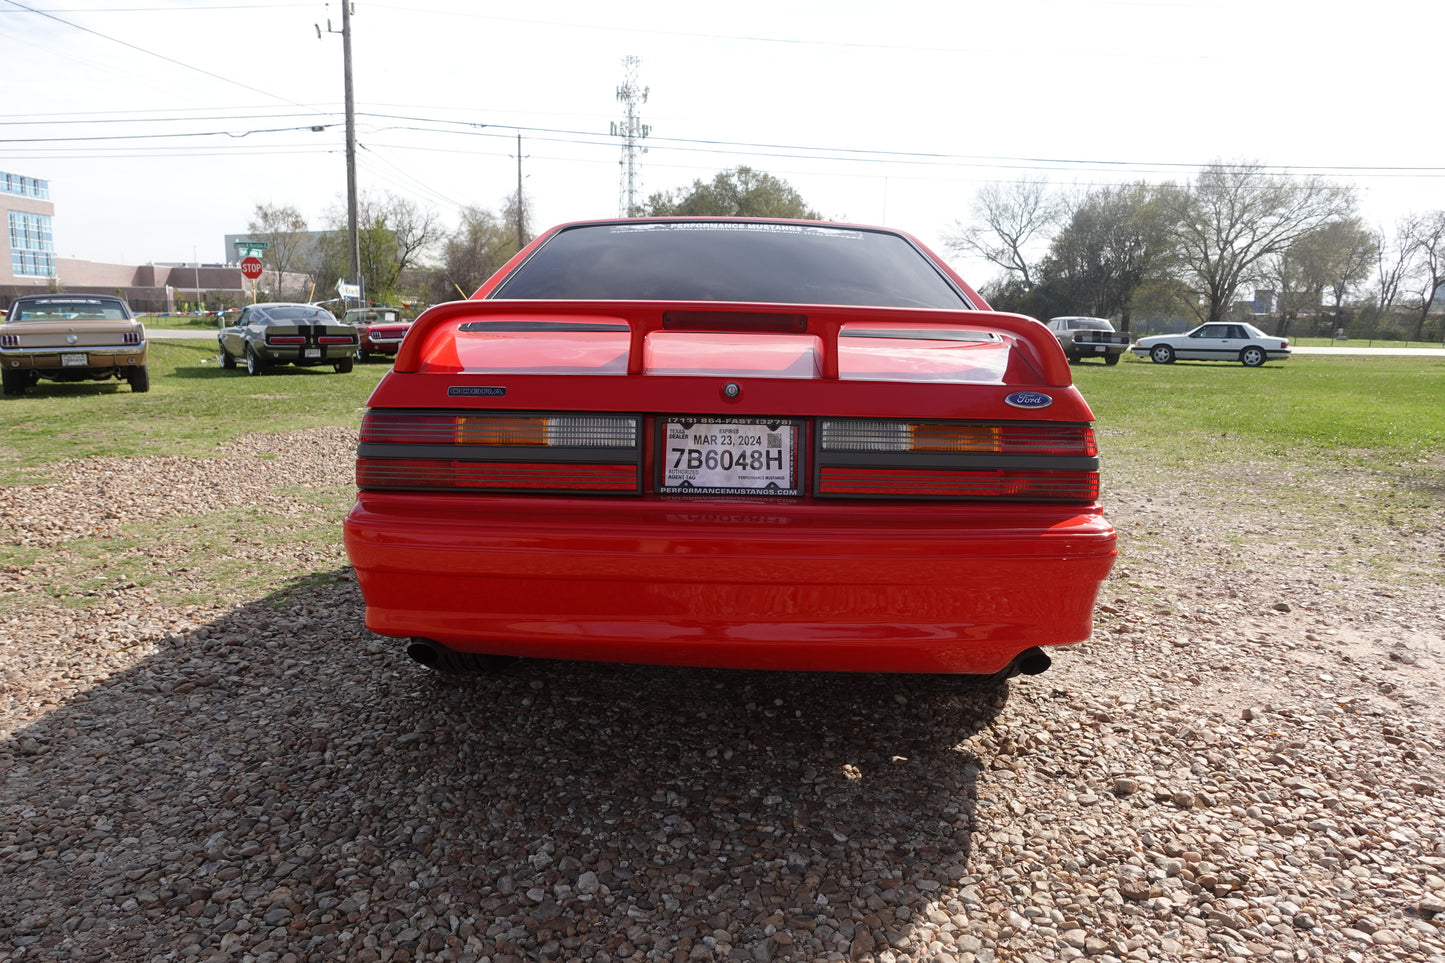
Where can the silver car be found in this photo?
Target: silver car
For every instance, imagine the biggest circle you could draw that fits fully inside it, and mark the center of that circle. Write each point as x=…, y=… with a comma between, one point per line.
x=1216, y=341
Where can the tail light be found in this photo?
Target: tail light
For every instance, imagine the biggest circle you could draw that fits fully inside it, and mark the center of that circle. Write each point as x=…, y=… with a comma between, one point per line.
x=336, y=339
x=499, y=452
x=285, y=339
x=956, y=459
x=9, y=340
x=130, y=337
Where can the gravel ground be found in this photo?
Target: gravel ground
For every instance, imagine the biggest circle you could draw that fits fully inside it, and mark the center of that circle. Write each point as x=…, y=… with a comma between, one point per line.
x=1241, y=765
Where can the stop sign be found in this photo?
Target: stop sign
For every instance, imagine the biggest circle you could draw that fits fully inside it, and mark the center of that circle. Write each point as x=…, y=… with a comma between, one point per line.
x=251, y=267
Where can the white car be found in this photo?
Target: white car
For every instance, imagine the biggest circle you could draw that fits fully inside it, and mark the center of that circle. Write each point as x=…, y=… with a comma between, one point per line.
x=1217, y=341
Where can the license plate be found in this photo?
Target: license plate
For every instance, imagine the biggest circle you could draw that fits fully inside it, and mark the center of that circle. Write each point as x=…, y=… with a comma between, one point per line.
x=74, y=360
x=1099, y=349
x=729, y=456
x=311, y=352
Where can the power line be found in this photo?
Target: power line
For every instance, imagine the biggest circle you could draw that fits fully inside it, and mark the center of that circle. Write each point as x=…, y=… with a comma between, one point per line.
x=802, y=152
x=151, y=53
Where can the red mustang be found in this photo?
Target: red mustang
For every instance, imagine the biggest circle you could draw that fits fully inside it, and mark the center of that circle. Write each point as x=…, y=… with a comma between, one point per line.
x=379, y=330
x=733, y=443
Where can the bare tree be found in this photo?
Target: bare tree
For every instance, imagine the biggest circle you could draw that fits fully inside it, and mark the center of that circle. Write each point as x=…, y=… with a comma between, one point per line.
x=393, y=234
x=1427, y=234
x=1233, y=216
x=1008, y=219
x=1394, y=262
x=517, y=215
x=482, y=243
x=287, y=241
x=1284, y=274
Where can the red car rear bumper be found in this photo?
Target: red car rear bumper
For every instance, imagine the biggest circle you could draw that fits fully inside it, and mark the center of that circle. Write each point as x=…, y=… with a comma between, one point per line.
x=776, y=585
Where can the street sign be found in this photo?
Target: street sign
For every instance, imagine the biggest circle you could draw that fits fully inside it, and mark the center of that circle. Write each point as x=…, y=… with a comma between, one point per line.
x=245, y=248
x=348, y=290
x=251, y=267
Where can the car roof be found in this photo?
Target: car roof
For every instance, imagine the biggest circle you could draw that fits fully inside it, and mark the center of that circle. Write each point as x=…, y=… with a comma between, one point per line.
x=65, y=298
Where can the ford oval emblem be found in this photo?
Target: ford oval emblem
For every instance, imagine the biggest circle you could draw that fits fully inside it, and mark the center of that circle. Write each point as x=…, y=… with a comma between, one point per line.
x=1029, y=399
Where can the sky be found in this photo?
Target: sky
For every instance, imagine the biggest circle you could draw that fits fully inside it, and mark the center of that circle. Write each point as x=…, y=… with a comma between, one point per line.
x=162, y=125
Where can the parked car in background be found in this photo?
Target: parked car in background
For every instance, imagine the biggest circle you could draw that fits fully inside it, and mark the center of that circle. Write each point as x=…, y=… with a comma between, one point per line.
x=71, y=337
x=738, y=443
x=264, y=335
x=1082, y=337
x=1216, y=341
x=381, y=330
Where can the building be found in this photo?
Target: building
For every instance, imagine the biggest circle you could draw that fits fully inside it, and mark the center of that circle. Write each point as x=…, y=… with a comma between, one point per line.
x=28, y=213
x=32, y=266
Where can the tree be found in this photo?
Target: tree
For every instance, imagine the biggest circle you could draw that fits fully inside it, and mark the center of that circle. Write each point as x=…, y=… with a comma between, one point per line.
x=392, y=233
x=1233, y=216
x=743, y=192
x=1007, y=219
x=1427, y=236
x=482, y=243
x=1394, y=262
x=1285, y=275
x=1116, y=239
x=1333, y=258
x=288, y=242
x=516, y=214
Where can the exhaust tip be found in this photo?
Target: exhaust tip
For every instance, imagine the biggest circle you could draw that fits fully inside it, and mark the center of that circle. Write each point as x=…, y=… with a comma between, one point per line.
x=1033, y=661
x=424, y=651
x=439, y=658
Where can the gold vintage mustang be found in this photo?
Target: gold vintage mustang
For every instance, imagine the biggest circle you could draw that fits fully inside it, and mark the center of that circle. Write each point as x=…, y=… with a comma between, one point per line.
x=71, y=337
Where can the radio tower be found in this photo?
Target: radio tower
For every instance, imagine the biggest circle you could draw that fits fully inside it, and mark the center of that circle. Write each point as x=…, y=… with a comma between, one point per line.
x=631, y=130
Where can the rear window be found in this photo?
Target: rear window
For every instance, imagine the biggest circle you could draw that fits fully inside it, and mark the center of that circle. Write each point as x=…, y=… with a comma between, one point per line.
x=299, y=313
x=78, y=309
x=732, y=261
x=371, y=317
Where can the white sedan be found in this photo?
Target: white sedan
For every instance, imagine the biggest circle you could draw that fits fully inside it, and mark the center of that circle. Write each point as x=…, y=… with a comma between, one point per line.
x=1218, y=341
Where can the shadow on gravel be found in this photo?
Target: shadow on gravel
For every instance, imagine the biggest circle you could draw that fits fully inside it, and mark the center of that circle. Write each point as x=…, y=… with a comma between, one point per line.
x=280, y=780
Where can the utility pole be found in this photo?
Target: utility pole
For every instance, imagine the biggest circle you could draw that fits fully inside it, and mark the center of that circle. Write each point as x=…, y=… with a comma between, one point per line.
x=632, y=131
x=353, y=237
x=521, y=205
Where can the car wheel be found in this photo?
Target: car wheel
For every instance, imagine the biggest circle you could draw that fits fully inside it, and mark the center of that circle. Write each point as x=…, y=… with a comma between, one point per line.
x=343, y=366
x=139, y=378
x=1251, y=357
x=1112, y=358
x=254, y=365
x=1161, y=354
x=228, y=360
x=15, y=382
x=362, y=356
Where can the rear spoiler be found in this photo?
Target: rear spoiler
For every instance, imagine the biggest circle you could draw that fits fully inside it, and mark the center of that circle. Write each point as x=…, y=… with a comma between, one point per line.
x=641, y=318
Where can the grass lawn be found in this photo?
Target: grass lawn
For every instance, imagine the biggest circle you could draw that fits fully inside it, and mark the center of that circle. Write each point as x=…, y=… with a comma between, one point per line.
x=1328, y=442
x=1318, y=409
x=1327, y=409
x=192, y=408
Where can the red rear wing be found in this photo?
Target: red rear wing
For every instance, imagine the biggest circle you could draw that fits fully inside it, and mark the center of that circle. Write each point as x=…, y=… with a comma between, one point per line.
x=1037, y=360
